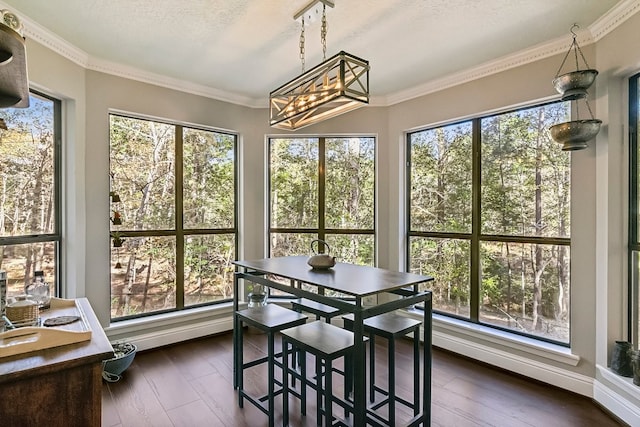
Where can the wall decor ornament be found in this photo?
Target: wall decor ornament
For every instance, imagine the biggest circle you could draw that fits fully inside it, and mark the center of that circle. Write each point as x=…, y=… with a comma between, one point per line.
x=572, y=86
x=117, y=240
x=14, y=81
x=116, y=219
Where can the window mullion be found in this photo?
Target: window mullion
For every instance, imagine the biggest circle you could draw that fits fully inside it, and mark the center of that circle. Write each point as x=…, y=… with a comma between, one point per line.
x=321, y=189
x=476, y=273
x=179, y=224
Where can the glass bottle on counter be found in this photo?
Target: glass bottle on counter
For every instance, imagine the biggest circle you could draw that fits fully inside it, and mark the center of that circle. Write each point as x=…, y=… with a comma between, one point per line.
x=39, y=290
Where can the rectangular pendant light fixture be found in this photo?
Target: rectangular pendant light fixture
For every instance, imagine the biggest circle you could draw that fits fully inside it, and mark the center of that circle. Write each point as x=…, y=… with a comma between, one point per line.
x=335, y=86
x=338, y=85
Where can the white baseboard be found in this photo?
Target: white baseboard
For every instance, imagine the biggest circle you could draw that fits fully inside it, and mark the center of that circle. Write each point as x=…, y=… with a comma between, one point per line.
x=616, y=404
x=158, y=338
x=610, y=393
x=546, y=373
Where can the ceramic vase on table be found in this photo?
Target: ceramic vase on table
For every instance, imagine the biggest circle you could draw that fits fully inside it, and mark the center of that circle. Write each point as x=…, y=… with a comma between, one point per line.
x=636, y=367
x=621, y=359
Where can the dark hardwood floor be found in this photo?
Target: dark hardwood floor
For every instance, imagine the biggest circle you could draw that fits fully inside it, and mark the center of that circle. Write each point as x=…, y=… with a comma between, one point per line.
x=190, y=385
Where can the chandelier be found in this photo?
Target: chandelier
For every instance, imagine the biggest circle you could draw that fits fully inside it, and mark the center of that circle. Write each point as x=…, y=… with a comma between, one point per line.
x=335, y=86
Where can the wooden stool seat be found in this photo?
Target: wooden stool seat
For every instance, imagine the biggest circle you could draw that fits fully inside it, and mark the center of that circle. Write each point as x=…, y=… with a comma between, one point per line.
x=316, y=308
x=390, y=326
x=320, y=311
x=326, y=343
x=386, y=325
x=270, y=318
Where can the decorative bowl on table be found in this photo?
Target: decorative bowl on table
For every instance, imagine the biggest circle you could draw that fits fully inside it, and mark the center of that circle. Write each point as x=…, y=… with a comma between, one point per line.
x=113, y=368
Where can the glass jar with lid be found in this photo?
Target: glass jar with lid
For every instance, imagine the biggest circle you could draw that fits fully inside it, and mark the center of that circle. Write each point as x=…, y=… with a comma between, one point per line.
x=39, y=289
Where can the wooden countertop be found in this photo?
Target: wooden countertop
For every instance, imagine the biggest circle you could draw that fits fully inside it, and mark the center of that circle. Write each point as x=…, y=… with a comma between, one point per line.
x=54, y=359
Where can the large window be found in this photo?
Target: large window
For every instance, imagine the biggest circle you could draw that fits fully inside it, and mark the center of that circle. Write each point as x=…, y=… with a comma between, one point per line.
x=173, y=219
x=634, y=217
x=30, y=212
x=323, y=188
x=488, y=217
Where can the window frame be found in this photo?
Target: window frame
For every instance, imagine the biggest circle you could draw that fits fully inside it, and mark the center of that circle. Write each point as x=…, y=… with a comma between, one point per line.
x=475, y=237
x=179, y=231
x=633, y=252
x=321, y=232
x=56, y=236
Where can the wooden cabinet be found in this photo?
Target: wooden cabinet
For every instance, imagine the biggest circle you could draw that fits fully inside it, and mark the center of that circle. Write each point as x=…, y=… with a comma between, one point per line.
x=59, y=386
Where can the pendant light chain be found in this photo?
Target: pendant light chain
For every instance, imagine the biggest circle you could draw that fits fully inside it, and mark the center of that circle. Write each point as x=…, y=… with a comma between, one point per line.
x=323, y=32
x=302, y=44
x=333, y=87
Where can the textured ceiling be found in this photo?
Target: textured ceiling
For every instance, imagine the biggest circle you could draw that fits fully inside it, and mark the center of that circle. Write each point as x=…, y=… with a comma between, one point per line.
x=246, y=48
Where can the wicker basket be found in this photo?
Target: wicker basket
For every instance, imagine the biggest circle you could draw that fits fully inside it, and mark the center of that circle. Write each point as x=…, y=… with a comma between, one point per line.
x=23, y=311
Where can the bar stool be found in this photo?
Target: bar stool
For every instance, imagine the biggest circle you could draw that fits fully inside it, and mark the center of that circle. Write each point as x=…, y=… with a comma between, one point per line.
x=390, y=326
x=321, y=311
x=326, y=343
x=270, y=319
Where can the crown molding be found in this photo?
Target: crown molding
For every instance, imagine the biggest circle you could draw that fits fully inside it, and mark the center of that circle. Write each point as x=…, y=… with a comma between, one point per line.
x=36, y=32
x=50, y=40
x=600, y=28
x=132, y=73
x=603, y=26
x=614, y=18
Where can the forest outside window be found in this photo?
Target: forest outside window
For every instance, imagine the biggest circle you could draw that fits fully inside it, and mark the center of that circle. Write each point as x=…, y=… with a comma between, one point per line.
x=323, y=188
x=30, y=207
x=176, y=204
x=493, y=228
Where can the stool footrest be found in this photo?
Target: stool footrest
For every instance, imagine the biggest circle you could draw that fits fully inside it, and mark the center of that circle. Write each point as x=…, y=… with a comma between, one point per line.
x=380, y=403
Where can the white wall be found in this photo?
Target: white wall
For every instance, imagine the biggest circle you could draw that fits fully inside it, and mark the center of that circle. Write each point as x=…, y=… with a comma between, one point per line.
x=61, y=78
x=598, y=196
x=617, y=58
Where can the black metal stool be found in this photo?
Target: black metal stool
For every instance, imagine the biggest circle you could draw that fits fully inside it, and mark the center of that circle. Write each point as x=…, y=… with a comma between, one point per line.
x=390, y=326
x=327, y=343
x=321, y=311
x=270, y=318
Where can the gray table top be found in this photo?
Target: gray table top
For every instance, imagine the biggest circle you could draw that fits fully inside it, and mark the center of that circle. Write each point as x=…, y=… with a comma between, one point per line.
x=350, y=279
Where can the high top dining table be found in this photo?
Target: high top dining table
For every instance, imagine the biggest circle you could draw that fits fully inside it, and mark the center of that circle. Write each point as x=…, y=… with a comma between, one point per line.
x=355, y=282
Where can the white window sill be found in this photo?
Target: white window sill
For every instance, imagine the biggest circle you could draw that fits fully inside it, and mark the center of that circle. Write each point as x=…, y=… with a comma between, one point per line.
x=168, y=320
x=453, y=329
x=624, y=383
x=444, y=329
